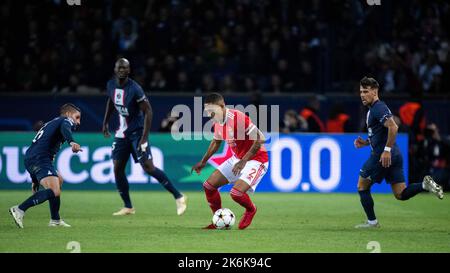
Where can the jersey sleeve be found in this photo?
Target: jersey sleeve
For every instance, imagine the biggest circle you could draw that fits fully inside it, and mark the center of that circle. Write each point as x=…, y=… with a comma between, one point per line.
x=243, y=126
x=66, y=130
x=383, y=113
x=139, y=94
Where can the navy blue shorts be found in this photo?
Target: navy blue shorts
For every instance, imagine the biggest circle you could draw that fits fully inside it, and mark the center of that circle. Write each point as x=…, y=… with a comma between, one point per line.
x=373, y=170
x=123, y=147
x=39, y=168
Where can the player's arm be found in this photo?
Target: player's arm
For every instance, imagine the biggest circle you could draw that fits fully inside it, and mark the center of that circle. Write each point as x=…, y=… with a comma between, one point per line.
x=212, y=149
x=66, y=131
x=108, y=112
x=359, y=142
x=146, y=108
x=259, y=140
x=385, y=158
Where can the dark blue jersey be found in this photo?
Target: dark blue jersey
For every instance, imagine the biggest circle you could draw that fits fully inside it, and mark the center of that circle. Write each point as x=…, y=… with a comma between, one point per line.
x=50, y=137
x=376, y=117
x=126, y=100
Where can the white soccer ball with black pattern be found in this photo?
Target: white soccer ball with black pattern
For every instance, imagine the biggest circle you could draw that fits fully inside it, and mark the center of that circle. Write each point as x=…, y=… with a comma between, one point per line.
x=223, y=219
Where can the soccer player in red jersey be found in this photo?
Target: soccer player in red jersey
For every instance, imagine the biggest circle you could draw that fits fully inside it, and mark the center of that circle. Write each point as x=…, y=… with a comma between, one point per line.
x=245, y=168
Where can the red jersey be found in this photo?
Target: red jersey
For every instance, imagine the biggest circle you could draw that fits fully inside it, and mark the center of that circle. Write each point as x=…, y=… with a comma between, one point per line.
x=235, y=131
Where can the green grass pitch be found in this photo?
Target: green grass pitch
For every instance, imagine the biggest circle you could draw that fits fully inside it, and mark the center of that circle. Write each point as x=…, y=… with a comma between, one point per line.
x=284, y=223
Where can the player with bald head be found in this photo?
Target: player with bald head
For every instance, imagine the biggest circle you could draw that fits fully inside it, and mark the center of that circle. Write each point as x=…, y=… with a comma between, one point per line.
x=127, y=98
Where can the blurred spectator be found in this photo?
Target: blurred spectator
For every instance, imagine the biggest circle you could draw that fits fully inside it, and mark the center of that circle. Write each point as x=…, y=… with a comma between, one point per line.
x=430, y=73
x=183, y=82
x=127, y=38
x=38, y=125
x=227, y=84
x=402, y=128
x=166, y=123
x=250, y=85
x=287, y=46
x=338, y=121
x=119, y=24
x=412, y=115
x=310, y=114
x=293, y=122
x=158, y=82
x=208, y=84
x=434, y=156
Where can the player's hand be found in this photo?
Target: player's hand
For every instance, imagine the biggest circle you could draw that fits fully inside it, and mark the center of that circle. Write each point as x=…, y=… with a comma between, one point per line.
x=106, y=131
x=385, y=159
x=198, y=167
x=237, y=168
x=143, y=145
x=75, y=147
x=359, y=142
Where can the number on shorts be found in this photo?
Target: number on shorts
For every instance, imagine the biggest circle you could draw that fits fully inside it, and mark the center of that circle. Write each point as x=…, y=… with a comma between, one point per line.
x=251, y=174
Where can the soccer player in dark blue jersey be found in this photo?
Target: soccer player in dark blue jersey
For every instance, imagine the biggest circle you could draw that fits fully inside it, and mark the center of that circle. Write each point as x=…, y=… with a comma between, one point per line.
x=385, y=161
x=39, y=159
x=135, y=116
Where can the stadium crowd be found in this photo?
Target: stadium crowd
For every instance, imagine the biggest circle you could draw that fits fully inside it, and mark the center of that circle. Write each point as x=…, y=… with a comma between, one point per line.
x=235, y=46
x=252, y=46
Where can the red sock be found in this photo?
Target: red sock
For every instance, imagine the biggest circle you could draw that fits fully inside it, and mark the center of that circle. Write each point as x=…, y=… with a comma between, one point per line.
x=213, y=196
x=242, y=199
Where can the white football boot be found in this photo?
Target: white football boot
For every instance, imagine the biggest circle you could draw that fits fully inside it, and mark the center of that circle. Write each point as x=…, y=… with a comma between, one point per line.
x=58, y=223
x=125, y=211
x=181, y=204
x=17, y=215
x=430, y=185
x=368, y=225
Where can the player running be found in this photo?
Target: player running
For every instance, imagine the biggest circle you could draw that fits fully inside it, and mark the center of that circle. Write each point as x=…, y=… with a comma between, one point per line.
x=135, y=117
x=385, y=161
x=245, y=168
x=39, y=164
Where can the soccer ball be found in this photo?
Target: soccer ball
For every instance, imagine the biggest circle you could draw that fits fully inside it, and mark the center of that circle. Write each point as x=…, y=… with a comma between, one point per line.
x=223, y=219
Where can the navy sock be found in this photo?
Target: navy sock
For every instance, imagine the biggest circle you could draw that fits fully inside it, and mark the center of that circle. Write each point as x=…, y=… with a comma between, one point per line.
x=55, y=203
x=367, y=203
x=36, y=199
x=411, y=191
x=165, y=182
x=123, y=188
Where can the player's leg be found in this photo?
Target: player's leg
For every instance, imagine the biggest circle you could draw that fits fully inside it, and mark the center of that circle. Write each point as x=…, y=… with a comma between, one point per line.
x=144, y=157
x=51, y=184
x=371, y=172
x=122, y=187
x=211, y=187
x=239, y=195
x=249, y=179
x=55, y=205
x=161, y=176
x=367, y=203
x=402, y=192
x=121, y=149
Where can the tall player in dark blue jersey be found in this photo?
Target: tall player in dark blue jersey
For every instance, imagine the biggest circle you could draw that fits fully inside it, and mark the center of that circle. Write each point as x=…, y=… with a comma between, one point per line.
x=39, y=163
x=135, y=117
x=385, y=161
